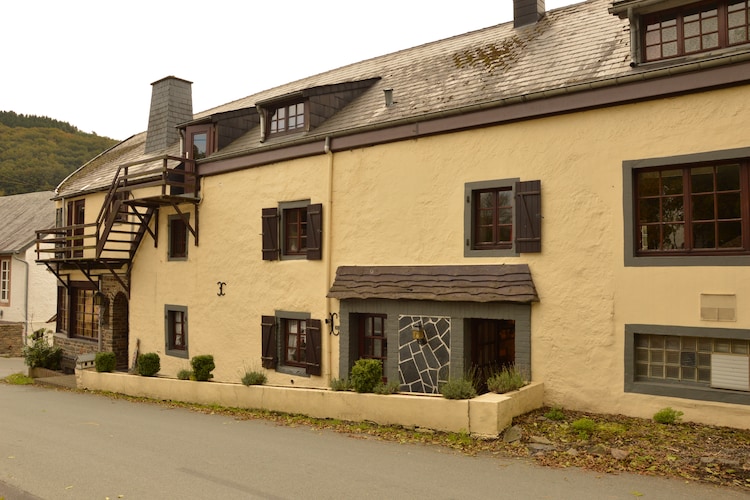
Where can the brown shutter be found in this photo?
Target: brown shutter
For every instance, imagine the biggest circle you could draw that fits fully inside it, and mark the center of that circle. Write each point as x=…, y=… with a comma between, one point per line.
x=312, y=353
x=268, y=337
x=528, y=216
x=315, y=231
x=271, y=234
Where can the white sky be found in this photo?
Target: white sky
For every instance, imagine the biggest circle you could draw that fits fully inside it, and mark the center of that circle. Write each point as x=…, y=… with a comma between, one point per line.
x=91, y=62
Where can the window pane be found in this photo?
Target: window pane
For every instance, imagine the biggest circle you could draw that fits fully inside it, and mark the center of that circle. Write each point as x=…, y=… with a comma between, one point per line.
x=656, y=371
x=504, y=234
x=711, y=41
x=649, y=210
x=669, y=49
x=728, y=177
x=729, y=206
x=703, y=207
x=648, y=183
x=702, y=179
x=692, y=29
x=703, y=235
x=730, y=234
x=669, y=34
x=657, y=356
x=672, y=182
x=673, y=210
x=674, y=237
x=672, y=343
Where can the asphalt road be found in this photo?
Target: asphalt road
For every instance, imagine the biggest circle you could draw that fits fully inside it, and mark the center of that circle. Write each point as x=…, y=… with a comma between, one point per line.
x=57, y=444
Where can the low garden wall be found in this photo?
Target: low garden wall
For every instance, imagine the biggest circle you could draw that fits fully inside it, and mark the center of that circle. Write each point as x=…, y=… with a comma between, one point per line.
x=486, y=415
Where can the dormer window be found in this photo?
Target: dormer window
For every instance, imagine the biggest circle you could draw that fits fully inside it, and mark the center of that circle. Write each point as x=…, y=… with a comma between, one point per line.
x=199, y=141
x=695, y=28
x=288, y=118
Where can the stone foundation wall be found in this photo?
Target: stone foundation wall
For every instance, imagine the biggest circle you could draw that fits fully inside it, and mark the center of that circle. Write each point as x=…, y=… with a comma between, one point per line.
x=11, y=339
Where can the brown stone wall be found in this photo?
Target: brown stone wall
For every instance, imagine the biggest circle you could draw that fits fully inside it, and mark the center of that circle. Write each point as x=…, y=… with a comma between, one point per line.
x=11, y=339
x=114, y=322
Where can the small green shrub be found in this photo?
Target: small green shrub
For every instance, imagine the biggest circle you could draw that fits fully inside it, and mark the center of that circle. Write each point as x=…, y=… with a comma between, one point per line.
x=366, y=374
x=340, y=384
x=184, y=374
x=42, y=355
x=389, y=388
x=667, y=416
x=507, y=380
x=458, y=388
x=202, y=367
x=148, y=364
x=556, y=413
x=105, y=362
x=254, y=378
x=584, y=426
x=610, y=430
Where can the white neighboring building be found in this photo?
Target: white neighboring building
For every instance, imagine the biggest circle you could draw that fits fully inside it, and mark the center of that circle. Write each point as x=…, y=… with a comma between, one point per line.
x=28, y=291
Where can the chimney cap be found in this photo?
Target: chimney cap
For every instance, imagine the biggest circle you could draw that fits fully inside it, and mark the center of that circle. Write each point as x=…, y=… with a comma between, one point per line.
x=171, y=77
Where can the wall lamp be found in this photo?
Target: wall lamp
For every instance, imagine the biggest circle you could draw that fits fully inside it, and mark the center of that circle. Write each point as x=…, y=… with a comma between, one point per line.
x=417, y=333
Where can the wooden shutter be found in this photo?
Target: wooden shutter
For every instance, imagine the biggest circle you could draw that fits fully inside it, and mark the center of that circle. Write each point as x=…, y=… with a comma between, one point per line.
x=528, y=216
x=271, y=233
x=268, y=337
x=312, y=354
x=315, y=231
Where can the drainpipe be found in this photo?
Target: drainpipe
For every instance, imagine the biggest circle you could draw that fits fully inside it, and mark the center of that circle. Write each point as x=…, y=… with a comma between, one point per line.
x=327, y=253
x=25, y=299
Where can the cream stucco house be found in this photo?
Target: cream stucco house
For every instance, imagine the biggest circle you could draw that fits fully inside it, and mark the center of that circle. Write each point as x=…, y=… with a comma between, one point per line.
x=27, y=291
x=568, y=193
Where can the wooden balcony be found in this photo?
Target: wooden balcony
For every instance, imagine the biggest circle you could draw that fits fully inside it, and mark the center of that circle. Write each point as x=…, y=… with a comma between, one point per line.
x=137, y=192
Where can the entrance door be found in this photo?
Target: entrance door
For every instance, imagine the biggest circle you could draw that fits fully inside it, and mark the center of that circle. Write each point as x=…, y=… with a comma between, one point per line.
x=493, y=346
x=373, y=343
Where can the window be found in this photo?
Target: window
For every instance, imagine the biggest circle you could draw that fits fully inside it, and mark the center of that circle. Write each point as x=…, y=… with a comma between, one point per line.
x=692, y=209
x=77, y=311
x=199, y=141
x=690, y=362
x=176, y=331
x=76, y=220
x=690, y=205
x=699, y=27
x=293, y=230
x=4, y=281
x=287, y=118
x=295, y=341
x=178, y=237
x=373, y=340
x=297, y=348
x=502, y=218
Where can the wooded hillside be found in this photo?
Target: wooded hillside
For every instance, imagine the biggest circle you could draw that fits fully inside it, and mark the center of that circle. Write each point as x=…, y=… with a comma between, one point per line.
x=37, y=152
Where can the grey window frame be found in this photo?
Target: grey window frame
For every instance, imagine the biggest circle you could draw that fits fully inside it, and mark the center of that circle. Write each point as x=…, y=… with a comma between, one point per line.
x=469, y=190
x=629, y=167
x=677, y=390
x=168, y=349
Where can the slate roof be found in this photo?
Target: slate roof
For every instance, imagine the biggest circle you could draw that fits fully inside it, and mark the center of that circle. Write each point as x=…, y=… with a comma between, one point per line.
x=572, y=48
x=484, y=283
x=21, y=215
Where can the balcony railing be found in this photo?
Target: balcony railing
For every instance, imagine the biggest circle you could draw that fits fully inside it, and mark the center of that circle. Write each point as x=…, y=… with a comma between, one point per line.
x=89, y=241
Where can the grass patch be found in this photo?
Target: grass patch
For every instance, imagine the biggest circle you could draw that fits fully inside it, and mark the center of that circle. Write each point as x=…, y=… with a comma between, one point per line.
x=19, y=379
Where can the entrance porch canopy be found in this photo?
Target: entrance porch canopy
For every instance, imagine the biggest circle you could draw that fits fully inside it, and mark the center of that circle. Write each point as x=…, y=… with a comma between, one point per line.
x=486, y=283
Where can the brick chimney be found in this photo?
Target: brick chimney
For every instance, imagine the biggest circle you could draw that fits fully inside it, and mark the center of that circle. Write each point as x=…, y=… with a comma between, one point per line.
x=527, y=12
x=171, y=103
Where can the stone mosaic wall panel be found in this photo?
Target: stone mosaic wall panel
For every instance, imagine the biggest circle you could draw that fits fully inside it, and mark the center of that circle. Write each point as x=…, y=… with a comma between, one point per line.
x=422, y=366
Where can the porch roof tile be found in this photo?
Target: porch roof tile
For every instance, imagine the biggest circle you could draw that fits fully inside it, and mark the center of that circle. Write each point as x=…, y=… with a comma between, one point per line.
x=485, y=283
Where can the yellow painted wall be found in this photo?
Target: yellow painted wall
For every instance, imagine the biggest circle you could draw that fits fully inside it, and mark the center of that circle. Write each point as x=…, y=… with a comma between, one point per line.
x=402, y=204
